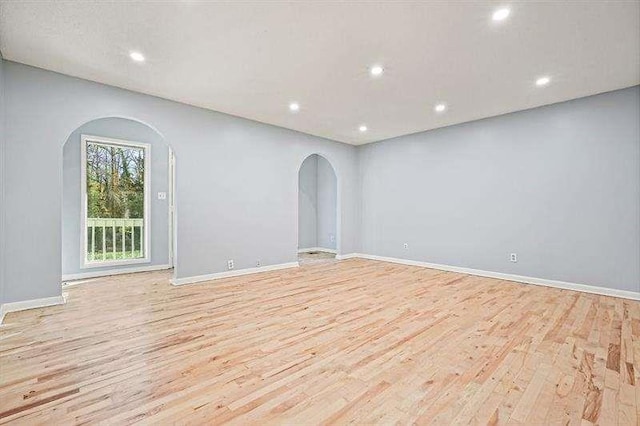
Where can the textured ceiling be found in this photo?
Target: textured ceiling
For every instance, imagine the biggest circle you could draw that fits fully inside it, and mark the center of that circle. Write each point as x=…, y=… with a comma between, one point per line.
x=252, y=59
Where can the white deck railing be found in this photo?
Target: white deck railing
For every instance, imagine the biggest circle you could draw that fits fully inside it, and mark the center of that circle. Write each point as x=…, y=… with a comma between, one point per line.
x=113, y=241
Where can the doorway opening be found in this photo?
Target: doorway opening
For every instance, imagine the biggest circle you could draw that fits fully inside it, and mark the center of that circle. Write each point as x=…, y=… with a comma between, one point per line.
x=317, y=211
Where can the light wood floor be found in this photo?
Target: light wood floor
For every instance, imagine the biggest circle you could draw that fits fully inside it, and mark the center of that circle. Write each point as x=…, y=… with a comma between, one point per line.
x=351, y=341
x=316, y=257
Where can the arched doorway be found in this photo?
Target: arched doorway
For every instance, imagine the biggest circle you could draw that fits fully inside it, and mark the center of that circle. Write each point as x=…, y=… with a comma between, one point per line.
x=118, y=199
x=317, y=210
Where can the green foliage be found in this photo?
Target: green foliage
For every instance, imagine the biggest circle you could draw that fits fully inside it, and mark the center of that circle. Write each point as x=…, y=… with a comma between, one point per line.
x=115, y=181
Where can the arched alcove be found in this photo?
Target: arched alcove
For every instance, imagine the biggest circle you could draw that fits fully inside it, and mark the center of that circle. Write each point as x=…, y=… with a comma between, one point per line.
x=91, y=247
x=317, y=207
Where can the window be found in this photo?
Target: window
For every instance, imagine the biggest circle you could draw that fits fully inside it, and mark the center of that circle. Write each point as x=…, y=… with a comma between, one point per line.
x=115, y=201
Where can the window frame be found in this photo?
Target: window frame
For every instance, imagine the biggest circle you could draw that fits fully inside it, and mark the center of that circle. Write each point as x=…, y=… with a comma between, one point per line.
x=84, y=235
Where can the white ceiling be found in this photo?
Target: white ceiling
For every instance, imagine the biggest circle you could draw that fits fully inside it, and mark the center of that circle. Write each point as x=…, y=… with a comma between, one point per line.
x=252, y=58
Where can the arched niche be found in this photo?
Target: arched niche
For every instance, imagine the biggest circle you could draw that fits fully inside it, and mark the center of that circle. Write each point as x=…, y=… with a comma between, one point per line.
x=318, y=205
x=161, y=211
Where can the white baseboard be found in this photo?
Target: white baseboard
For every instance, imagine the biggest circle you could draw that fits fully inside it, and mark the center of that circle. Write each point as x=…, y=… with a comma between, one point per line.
x=108, y=272
x=5, y=308
x=347, y=256
x=310, y=249
x=507, y=277
x=232, y=273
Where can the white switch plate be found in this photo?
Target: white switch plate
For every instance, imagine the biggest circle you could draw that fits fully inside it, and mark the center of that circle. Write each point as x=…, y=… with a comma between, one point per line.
x=162, y=195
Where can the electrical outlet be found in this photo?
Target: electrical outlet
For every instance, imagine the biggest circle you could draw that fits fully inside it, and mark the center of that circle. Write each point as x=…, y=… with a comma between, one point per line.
x=162, y=195
x=258, y=263
x=513, y=257
x=230, y=264
x=406, y=246
x=332, y=238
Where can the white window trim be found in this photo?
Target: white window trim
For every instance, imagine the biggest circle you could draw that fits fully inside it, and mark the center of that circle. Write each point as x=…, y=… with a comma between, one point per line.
x=84, y=140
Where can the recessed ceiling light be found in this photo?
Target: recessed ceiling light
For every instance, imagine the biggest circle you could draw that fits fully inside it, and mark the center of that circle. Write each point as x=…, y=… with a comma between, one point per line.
x=440, y=107
x=376, y=70
x=543, y=81
x=363, y=128
x=294, y=106
x=137, y=56
x=501, y=14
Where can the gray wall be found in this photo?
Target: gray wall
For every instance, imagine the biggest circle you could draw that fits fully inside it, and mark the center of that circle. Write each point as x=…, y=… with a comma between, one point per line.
x=117, y=128
x=558, y=185
x=327, y=197
x=2, y=203
x=308, y=203
x=317, y=204
x=237, y=180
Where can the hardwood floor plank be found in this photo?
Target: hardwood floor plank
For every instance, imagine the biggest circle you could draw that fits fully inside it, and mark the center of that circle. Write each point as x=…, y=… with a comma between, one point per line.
x=347, y=341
